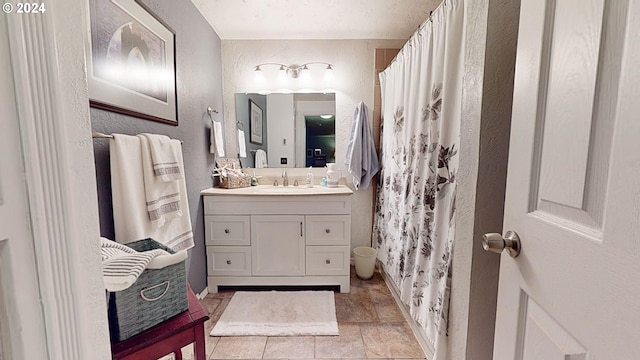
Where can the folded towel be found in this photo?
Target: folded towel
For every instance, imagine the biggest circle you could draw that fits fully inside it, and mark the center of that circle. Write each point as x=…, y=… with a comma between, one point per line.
x=130, y=215
x=261, y=159
x=163, y=158
x=163, y=198
x=216, y=138
x=242, y=144
x=122, y=265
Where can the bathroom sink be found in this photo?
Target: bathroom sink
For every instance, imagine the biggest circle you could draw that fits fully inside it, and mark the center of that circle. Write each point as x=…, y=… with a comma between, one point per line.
x=283, y=190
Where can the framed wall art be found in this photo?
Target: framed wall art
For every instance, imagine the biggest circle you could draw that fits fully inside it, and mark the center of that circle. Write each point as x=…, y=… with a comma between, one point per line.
x=255, y=123
x=131, y=62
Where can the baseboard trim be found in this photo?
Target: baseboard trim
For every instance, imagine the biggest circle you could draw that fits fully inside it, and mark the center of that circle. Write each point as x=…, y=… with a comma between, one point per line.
x=418, y=332
x=203, y=294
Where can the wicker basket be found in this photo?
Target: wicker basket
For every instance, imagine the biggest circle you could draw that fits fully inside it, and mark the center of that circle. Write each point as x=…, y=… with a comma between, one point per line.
x=157, y=295
x=232, y=180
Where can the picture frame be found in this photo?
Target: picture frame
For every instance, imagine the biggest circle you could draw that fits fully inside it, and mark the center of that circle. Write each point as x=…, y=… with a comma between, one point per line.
x=255, y=123
x=131, y=65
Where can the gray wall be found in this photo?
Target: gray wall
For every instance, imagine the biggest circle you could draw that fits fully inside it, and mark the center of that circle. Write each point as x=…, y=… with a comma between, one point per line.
x=242, y=116
x=199, y=85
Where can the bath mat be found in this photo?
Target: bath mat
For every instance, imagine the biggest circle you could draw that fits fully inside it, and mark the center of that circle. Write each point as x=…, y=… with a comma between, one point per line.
x=278, y=313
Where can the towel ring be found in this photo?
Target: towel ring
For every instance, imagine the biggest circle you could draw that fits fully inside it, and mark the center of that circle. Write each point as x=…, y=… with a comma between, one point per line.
x=240, y=125
x=211, y=111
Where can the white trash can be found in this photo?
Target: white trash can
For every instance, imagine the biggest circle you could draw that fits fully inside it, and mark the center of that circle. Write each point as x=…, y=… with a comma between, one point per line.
x=365, y=259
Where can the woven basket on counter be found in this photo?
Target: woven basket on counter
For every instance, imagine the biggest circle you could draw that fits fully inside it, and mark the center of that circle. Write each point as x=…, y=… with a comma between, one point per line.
x=156, y=296
x=234, y=177
x=234, y=181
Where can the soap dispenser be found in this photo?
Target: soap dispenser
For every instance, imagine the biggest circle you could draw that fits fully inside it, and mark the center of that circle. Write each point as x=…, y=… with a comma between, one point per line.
x=310, y=178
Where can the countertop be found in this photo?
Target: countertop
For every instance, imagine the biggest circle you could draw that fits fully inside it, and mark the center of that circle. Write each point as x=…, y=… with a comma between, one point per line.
x=270, y=190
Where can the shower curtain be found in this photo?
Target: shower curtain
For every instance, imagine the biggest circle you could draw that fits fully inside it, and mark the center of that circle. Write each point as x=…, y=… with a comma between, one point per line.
x=415, y=210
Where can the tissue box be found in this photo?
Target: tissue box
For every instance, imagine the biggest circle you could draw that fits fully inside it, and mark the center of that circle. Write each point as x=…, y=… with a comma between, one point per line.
x=156, y=296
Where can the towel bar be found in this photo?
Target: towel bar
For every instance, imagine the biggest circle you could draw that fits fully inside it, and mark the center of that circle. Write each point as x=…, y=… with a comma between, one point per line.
x=99, y=135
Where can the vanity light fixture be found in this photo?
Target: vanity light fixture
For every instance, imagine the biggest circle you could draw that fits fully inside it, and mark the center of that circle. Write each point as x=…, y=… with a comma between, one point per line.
x=293, y=71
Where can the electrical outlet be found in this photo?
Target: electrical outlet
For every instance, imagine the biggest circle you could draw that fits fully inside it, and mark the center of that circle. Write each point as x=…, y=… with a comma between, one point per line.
x=283, y=161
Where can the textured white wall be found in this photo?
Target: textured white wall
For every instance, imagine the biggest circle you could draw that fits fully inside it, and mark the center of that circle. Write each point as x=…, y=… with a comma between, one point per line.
x=476, y=14
x=353, y=82
x=491, y=31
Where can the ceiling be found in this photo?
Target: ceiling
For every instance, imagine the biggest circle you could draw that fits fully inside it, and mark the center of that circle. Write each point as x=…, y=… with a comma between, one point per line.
x=315, y=19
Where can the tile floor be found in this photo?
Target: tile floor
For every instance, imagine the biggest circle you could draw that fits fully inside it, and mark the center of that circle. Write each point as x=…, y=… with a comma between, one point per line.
x=370, y=323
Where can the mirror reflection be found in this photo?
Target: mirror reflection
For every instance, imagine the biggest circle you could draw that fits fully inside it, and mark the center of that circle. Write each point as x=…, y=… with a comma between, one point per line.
x=297, y=130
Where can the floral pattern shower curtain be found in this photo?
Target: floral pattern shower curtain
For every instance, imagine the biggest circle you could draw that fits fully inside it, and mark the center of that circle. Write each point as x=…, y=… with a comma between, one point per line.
x=415, y=211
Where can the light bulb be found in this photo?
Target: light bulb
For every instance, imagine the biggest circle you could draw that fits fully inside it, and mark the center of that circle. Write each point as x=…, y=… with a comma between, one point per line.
x=258, y=75
x=282, y=73
x=305, y=73
x=328, y=73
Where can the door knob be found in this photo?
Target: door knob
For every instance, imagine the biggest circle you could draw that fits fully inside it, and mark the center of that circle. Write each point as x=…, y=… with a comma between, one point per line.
x=495, y=243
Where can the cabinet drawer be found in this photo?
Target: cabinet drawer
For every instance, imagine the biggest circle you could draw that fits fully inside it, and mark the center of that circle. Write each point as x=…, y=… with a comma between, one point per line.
x=284, y=205
x=327, y=260
x=229, y=260
x=227, y=230
x=328, y=229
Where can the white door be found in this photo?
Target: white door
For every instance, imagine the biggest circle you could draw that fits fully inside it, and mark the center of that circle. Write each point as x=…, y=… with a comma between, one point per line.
x=573, y=185
x=22, y=334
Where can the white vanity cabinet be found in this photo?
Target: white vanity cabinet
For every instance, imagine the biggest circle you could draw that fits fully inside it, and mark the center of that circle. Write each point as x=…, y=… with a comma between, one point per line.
x=277, y=240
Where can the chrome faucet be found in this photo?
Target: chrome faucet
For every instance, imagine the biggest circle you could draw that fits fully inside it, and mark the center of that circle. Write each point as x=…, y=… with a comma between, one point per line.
x=285, y=182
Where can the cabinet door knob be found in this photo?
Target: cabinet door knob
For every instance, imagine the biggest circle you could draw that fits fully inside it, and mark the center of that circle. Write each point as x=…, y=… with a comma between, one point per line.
x=328, y=261
x=226, y=231
x=327, y=230
x=228, y=262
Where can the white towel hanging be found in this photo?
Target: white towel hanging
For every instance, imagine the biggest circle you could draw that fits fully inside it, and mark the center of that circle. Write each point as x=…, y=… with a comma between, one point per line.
x=217, y=138
x=242, y=144
x=261, y=159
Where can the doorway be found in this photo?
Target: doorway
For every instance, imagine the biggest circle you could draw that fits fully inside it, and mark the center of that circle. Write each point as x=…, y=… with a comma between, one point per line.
x=320, y=139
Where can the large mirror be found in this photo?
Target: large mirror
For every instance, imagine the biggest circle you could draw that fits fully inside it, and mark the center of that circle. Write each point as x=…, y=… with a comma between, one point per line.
x=294, y=130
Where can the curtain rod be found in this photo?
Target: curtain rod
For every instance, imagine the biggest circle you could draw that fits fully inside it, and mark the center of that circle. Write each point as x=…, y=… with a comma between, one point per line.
x=420, y=27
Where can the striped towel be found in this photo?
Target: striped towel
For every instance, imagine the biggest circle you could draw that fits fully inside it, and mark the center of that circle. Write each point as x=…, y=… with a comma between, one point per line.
x=163, y=158
x=122, y=265
x=163, y=197
x=129, y=179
